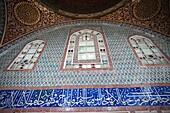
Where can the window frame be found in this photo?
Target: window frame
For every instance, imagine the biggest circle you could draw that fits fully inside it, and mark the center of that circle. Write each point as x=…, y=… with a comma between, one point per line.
x=67, y=46
x=157, y=47
x=11, y=63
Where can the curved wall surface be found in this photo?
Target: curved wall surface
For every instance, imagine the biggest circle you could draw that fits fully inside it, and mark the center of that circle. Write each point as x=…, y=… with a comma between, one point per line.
x=127, y=69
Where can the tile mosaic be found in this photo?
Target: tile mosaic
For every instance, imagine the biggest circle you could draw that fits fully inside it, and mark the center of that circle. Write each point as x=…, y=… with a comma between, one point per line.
x=127, y=69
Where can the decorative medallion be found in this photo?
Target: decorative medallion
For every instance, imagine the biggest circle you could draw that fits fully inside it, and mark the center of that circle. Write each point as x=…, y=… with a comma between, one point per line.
x=27, y=13
x=84, y=8
x=146, y=9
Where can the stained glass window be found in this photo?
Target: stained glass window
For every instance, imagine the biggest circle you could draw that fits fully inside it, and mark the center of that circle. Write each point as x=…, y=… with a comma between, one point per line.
x=28, y=57
x=86, y=50
x=146, y=51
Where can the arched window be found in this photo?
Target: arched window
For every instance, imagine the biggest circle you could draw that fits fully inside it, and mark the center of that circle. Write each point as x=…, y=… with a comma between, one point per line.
x=86, y=49
x=147, y=52
x=28, y=57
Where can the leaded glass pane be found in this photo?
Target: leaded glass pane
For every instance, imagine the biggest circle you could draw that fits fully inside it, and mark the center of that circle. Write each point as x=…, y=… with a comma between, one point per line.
x=28, y=57
x=86, y=49
x=146, y=51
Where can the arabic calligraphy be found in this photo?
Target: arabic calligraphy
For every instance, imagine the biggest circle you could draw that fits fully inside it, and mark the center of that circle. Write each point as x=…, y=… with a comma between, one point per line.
x=86, y=97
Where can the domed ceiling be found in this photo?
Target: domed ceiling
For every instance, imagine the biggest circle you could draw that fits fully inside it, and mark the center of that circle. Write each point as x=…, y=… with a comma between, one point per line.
x=83, y=8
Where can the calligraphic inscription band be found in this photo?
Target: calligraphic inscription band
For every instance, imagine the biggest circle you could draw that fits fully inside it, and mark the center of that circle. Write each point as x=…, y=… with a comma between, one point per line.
x=86, y=97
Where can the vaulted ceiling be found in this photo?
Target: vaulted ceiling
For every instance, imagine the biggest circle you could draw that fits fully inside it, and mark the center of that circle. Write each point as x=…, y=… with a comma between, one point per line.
x=84, y=8
x=21, y=17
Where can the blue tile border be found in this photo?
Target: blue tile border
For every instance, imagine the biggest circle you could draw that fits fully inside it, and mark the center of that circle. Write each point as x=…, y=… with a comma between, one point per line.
x=86, y=97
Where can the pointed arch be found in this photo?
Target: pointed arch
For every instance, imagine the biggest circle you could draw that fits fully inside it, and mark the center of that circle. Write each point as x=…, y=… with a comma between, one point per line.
x=147, y=52
x=28, y=57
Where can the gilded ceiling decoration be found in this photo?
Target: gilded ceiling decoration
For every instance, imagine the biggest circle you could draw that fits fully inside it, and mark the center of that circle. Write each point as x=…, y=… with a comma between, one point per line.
x=146, y=9
x=16, y=29
x=159, y=22
x=84, y=8
x=27, y=13
x=36, y=16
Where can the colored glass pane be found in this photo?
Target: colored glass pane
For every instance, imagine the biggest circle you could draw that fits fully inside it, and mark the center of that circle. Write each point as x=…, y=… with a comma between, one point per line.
x=147, y=52
x=86, y=49
x=28, y=57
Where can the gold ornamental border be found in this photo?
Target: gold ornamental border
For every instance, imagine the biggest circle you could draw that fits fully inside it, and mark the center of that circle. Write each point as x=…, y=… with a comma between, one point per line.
x=24, y=20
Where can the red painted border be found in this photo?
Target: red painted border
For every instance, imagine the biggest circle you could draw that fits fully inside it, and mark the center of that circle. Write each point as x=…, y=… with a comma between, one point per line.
x=78, y=69
x=27, y=70
x=107, y=49
x=83, y=86
x=124, y=109
x=148, y=65
x=65, y=49
x=84, y=27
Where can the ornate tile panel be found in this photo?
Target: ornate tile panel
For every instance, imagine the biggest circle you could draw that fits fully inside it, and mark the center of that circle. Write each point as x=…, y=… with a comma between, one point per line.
x=86, y=97
x=47, y=72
